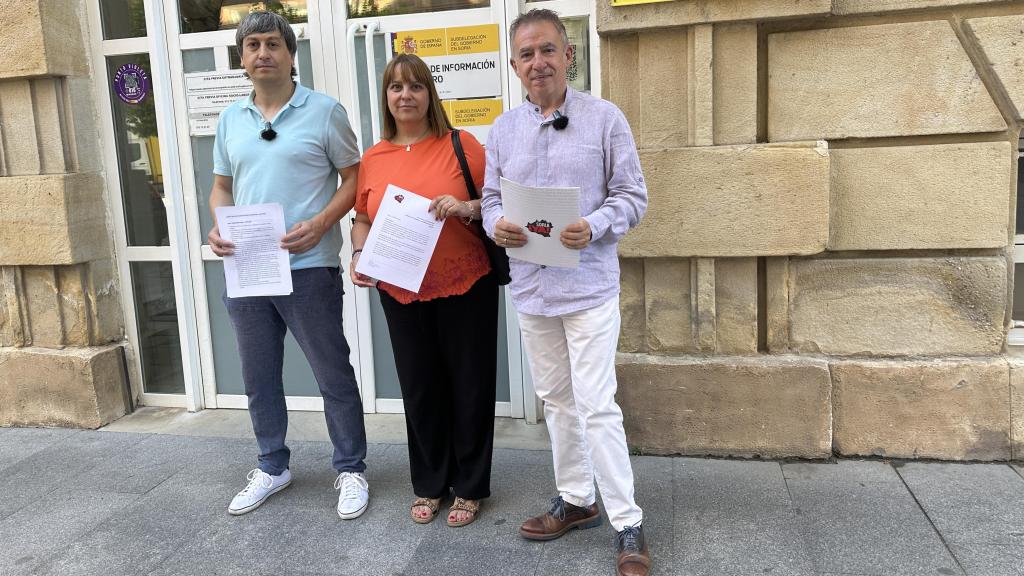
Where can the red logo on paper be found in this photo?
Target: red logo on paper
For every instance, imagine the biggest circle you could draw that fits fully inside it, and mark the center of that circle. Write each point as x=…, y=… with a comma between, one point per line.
x=399, y=198
x=542, y=227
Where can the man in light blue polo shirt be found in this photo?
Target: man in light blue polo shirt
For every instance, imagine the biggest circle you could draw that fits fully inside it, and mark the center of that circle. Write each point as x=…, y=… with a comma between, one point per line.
x=288, y=144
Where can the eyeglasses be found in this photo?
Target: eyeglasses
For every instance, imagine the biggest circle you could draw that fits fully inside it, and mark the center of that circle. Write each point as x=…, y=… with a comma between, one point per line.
x=268, y=133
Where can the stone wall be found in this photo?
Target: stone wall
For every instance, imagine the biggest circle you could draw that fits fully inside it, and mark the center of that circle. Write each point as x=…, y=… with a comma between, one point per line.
x=826, y=264
x=59, y=304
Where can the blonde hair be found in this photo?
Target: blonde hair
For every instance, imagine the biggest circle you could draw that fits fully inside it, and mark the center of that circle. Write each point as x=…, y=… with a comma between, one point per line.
x=411, y=67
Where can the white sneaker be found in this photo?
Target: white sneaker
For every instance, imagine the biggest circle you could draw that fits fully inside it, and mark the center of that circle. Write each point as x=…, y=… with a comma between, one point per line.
x=354, y=496
x=261, y=486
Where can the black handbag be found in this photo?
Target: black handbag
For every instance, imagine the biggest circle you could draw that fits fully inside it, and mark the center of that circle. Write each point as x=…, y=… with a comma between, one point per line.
x=496, y=254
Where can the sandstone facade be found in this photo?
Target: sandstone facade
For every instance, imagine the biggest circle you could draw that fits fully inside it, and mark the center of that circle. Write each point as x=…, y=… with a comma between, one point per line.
x=61, y=363
x=835, y=234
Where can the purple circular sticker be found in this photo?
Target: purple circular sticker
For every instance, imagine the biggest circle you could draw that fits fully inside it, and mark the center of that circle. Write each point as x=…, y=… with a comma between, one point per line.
x=131, y=83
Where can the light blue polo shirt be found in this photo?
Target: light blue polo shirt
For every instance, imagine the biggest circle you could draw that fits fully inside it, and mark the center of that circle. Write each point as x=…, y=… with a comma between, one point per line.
x=298, y=169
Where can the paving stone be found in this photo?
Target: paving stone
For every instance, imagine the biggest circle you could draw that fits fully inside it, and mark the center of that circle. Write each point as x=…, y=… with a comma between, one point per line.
x=45, y=528
x=757, y=540
x=876, y=528
x=970, y=503
x=990, y=559
x=842, y=471
x=709, y=485
x=138, y=540
x=17, y=444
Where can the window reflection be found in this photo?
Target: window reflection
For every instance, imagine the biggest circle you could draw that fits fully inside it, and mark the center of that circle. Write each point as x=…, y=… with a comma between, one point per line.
x=363, y=8
x=157, y=318
x=210, y=15
x=138, y=155
x=122, y=19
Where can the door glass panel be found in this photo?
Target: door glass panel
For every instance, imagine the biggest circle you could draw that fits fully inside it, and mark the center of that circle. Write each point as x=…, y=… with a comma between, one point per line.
x=122, y=19
x=578, y=73
x=364, y=8
x=1018, y=291
x=298, y=377
x=1020, y=188
x=157, y=319
x=138, y=155
x=380, y=62
x=210, y=15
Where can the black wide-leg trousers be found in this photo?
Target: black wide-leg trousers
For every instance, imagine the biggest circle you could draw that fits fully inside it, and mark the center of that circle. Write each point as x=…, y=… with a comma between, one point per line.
x=446, y=354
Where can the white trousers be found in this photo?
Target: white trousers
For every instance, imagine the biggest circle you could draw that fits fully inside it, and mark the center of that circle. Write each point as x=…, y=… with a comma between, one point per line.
x=572, y=360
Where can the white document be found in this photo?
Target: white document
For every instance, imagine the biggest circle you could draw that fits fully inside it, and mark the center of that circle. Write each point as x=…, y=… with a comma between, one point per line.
x=543, y=213
x=401, y=241
x=259, y=266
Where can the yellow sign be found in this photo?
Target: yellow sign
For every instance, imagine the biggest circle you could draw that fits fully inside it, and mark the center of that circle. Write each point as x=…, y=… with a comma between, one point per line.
x=473, y=112
x=632, y=2
x=473, y=39
x=423, y=43
x=464, y=61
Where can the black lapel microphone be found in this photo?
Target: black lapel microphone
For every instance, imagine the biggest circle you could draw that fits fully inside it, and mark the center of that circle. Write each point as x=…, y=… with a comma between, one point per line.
x=269, y=134
x=560, y=121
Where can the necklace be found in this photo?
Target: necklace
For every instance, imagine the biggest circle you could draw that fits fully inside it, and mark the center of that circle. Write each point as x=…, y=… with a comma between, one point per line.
x=408, y=146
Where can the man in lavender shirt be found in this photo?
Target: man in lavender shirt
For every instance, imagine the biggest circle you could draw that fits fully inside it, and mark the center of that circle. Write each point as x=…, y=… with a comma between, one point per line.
x=569, y=317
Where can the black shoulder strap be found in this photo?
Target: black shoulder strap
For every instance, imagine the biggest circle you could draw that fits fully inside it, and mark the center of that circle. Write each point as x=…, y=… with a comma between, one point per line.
x=461, y=155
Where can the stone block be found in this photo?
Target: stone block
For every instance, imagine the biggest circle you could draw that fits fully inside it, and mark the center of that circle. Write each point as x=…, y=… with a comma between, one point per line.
x=736, y=305
x=952, y=409
x=898, y=306
x=777, y=304
x=42, y=297
x=17, y=122
x=669, y=304
x=12, y=325
x=48, y=107
x=620, y=77
x=902, y=79
x=107, y=318
x=733, y=201
x=74, y=387
x=41, y=38
x=1002, y=40
x=921, y=197
x=65, y=212
x=617, y=19
x=663, y=113
x=633, y=335
x=769, y=406
x=705, y=319
x=843, y=7
x=700, y=86
x=1016, y=361
x=735, y=83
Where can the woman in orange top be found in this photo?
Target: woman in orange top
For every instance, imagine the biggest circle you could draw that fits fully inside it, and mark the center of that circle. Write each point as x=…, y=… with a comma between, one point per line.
x=444, y=336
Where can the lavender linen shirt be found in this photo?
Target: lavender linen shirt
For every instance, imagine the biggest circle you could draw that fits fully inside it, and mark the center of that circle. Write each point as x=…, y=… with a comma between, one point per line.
x=595, y=152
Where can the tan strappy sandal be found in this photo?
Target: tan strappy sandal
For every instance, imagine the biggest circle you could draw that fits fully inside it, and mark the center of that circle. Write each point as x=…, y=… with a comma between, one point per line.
x=471, y=506
x=433, y=504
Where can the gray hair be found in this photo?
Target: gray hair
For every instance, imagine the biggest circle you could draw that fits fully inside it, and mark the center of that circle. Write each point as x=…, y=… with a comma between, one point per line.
x=262, y=23
x=538, y=15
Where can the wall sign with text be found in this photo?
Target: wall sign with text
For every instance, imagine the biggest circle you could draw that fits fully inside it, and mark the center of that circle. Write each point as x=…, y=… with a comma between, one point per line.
x=464, y=60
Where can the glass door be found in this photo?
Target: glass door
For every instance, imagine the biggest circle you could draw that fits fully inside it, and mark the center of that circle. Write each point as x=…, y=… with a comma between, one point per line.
x=202, y=34
x=371, y=29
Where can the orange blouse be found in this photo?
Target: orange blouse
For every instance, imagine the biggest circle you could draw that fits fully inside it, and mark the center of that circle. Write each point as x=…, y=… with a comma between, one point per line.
x=429, y=168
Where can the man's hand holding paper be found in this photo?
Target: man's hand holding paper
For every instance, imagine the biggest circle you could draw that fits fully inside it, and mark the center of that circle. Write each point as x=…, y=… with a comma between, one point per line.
x=542, y=225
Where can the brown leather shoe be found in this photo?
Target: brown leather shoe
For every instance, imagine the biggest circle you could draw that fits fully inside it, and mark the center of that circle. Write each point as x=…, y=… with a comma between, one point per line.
x=560, y=519
x=633, y=557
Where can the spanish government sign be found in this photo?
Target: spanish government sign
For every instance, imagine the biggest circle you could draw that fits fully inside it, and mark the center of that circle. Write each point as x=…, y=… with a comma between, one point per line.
x=464, y=60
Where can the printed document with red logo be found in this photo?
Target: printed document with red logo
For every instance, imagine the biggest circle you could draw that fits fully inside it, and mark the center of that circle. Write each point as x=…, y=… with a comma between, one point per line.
x=543, y=213
x=401, y=241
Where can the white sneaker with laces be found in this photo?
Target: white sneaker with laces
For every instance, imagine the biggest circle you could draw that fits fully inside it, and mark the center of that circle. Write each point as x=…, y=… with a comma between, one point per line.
x=261, y=486
x=354, y=496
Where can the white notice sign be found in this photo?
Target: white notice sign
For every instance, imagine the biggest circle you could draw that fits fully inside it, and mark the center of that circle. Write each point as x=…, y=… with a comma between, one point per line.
x=208, y=93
